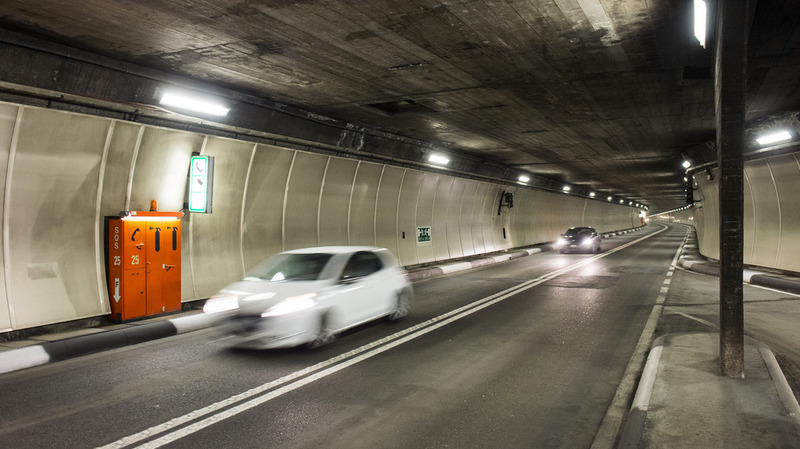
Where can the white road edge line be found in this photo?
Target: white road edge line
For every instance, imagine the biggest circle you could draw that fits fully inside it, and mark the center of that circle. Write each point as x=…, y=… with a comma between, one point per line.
x=271, y=390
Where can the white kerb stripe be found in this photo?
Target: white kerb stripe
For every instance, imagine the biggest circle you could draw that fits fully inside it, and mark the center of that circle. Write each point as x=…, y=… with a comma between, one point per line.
x=453, y=267
x=27, y=357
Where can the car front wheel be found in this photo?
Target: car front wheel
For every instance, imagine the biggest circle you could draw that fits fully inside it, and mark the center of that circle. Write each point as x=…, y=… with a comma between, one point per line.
x=402, y=305
x=323, y=334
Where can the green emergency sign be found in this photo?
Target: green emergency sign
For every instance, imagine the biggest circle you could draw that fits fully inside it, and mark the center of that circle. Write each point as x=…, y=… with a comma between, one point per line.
x=201, y=181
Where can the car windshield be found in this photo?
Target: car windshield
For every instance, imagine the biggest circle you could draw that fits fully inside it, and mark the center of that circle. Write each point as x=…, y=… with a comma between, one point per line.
x=290, y=267
x=573, y=232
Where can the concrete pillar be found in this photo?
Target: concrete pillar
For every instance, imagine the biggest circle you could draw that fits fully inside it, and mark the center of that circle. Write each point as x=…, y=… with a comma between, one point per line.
x=729, y=92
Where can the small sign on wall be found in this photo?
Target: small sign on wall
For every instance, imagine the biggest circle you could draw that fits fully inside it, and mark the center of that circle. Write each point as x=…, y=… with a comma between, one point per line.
x=201, y=184
x=423, y=234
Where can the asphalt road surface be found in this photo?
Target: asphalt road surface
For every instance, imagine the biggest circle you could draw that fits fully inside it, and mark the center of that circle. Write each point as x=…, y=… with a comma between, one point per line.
x=525, y=353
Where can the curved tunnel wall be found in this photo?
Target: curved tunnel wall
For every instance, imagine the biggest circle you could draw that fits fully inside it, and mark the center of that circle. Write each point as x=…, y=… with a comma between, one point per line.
x=771, y=213
x=63, y=172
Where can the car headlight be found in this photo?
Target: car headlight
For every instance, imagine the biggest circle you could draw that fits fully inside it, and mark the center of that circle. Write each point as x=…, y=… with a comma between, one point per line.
x=221, y=303
x=561, y=242
x=291, y=305
x=586, y=242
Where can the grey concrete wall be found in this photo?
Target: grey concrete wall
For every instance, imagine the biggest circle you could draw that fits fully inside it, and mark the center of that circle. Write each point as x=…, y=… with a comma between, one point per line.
x=771, y=213
x=63, y=172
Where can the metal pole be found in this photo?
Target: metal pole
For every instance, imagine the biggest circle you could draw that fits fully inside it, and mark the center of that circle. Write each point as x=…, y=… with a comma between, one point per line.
x=729, y=88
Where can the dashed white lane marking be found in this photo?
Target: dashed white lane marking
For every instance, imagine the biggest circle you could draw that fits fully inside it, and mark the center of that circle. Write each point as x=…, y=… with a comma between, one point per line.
x=225, y=409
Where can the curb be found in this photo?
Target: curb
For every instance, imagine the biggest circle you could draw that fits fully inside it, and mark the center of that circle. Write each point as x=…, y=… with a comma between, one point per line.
x=55, y=351
x=633, y=428
x=692, y=260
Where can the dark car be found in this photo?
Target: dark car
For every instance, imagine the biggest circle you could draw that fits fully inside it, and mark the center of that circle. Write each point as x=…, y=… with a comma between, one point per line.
x=583, y=238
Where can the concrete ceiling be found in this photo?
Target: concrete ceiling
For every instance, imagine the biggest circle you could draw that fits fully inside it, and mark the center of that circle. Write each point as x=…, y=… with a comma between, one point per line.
x=609, y=95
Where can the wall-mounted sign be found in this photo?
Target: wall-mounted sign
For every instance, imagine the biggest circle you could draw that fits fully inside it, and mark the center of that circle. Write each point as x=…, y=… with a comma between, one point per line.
x=201, y=182
x=424, y=234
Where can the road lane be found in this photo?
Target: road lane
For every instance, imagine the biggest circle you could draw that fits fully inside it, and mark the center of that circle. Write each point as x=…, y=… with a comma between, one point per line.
x=539, y=366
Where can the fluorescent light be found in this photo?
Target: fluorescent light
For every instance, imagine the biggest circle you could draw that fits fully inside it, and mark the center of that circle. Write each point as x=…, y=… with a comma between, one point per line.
x=524, y=178
x=438, y=159
x=182, y=101
x=591, y=194
x=700, y=10
x=687, y=164
x=567, y=188
x=778, y=136
x=609, y=198
x=621, y=201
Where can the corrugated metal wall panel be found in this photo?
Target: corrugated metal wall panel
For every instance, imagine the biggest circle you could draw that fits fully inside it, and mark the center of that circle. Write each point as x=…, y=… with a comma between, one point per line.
x=302, y=200
x=263, y=210
x=50, y=213
x=786, y=171
x=216, y=237
x=266, y=199
x=362, y=204
x=334, y=203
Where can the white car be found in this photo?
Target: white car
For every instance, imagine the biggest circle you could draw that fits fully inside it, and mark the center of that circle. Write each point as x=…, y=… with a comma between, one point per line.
x=307, y=296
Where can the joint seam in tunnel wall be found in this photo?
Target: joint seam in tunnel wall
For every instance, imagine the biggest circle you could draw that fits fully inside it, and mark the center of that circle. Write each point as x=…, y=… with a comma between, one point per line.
x=320, y=196
x=350, y=200
x=191, y=422
x=780, y=212
x=99, y=244
x=191, y=234
x=134, y=156
x=244, y=204
x=12, y=154
x=285, y=200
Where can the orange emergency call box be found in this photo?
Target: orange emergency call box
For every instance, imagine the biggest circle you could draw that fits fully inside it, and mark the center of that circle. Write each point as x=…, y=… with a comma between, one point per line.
x=144, y=264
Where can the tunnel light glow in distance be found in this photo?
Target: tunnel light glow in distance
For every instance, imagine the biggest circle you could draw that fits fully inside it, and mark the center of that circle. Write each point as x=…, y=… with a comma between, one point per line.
x=194, y=104
x=778, y=136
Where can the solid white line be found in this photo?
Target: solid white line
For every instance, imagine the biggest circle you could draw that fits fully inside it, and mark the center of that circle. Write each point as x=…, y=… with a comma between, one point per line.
x=291, y=382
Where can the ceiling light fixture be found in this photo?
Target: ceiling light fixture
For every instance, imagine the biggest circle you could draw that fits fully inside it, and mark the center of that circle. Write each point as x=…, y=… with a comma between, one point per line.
x=567, y=188
x=591, y=194
x=687, y=164
x=194, y=104
x=700, y=13
x=523, y=179
x=778, y=136
x=609, y=198
x=438, y=159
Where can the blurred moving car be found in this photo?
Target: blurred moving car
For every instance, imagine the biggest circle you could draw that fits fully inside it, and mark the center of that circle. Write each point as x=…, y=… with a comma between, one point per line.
x=307, y=296
x=582, y=238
